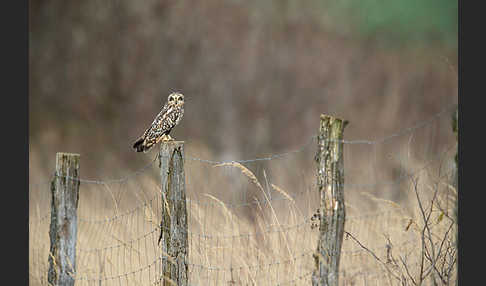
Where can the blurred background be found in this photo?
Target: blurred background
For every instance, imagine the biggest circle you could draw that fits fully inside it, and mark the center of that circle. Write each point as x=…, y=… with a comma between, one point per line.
x=256, y=75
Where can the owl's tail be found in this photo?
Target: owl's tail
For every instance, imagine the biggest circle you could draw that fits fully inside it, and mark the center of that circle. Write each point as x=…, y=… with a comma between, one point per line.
x=139, y=146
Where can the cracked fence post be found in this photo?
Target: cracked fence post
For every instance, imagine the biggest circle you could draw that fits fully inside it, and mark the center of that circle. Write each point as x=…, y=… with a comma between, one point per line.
x=64, y=220
x=174, y=230
x=330, y=182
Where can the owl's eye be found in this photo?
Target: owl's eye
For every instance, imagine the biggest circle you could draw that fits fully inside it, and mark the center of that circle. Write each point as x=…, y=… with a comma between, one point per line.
x=171, y=98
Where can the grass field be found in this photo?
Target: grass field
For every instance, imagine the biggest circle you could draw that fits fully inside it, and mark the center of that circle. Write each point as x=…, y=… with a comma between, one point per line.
x=251, y=224
x=256, y=76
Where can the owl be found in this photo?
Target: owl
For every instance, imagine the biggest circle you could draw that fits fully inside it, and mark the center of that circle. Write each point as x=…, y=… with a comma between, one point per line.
x=170, y=115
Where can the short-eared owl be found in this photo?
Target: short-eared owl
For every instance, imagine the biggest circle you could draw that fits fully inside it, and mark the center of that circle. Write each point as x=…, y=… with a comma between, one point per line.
x=170, y=115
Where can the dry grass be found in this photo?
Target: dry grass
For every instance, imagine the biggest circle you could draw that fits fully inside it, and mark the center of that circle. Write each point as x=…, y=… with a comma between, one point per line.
x=266, y=239
x=260, y=79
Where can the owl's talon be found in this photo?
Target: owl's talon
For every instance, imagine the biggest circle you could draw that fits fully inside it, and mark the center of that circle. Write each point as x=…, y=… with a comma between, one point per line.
x=166, y=138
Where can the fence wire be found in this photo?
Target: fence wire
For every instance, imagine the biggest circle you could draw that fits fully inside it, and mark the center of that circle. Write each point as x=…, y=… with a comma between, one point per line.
x=251, y=221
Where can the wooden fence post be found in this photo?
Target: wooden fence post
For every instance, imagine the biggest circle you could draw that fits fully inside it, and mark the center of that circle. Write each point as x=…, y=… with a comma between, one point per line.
x=64, y=220
x=330, y=182
x=174, y=228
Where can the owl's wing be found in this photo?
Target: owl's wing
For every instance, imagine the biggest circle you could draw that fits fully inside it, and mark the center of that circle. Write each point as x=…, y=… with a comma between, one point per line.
x=156, y=129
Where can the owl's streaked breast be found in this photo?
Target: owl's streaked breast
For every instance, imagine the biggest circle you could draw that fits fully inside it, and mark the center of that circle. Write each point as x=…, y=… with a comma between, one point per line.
x=179, y=113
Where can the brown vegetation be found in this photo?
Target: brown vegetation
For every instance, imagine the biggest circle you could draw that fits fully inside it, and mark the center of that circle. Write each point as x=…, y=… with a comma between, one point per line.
x=256, y=76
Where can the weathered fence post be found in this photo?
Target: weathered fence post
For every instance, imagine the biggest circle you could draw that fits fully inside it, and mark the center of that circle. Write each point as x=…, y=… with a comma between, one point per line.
x=330, y=182
x=64, y=220
x=174, y=230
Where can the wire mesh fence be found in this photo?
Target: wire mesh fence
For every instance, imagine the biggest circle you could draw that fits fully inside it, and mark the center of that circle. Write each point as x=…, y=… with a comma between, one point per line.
x=251, y=221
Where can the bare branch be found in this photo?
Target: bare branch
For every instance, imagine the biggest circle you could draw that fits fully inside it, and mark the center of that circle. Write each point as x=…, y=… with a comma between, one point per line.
x=373, y=254
x=406, y=269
